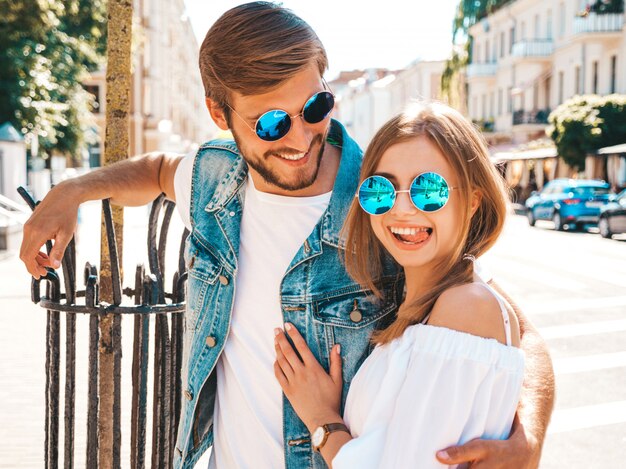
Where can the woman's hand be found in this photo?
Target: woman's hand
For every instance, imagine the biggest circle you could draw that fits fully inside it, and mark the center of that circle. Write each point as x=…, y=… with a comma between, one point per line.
x=314, y=394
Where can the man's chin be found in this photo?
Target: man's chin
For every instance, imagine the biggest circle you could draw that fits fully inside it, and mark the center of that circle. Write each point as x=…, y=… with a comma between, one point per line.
x=301, y=174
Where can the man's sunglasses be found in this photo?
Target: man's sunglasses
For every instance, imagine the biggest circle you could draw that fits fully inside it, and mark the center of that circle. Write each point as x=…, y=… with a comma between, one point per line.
x=274, y=124
x=429, y=192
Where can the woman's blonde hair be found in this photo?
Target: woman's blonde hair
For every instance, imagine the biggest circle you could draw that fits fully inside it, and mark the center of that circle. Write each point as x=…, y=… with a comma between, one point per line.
x=466, y=151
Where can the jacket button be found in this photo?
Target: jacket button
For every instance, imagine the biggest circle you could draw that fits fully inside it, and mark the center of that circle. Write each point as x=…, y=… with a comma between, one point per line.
x=356, y=316
x=223, y=280
x=188, y=394
x=210, y=341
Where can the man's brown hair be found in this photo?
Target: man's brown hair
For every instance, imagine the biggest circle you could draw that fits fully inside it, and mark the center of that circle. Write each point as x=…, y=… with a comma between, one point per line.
x=253, y=48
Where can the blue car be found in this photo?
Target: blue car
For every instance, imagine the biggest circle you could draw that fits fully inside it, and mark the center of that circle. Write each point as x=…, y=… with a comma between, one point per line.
x=568, y=202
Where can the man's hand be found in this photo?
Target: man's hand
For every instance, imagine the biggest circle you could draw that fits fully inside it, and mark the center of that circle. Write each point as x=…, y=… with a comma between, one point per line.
x=55, y=219
x=520, y=451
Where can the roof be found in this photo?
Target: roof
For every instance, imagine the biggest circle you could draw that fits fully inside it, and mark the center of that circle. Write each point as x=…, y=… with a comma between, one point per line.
x=539, y=153
x=612, y=150
x=9, y=134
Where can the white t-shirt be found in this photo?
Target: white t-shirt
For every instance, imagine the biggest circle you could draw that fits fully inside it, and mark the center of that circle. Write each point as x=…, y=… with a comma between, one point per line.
x=248, y=407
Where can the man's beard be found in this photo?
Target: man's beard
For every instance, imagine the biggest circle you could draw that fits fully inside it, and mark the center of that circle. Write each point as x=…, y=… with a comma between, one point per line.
x=270, y=176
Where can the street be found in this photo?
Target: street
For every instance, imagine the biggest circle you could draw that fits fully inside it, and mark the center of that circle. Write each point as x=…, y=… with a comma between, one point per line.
x=572, y=285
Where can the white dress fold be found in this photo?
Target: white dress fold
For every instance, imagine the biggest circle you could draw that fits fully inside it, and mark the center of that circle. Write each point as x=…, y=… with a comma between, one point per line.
x=431, y=388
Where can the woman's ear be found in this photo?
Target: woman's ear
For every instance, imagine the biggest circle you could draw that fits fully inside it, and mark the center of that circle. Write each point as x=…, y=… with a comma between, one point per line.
x=476, y=199
x=217, y=113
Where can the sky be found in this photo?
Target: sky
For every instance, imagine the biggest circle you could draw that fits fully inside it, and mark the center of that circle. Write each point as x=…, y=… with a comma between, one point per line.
x=359, y=34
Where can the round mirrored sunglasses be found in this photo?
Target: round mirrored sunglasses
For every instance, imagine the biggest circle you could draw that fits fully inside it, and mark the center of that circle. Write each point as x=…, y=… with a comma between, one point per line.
x=275, y=124
x=429, y=192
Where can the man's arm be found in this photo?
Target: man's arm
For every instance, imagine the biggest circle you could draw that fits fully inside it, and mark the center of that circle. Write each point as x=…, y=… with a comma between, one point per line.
x=523, y=448
x=132, y=182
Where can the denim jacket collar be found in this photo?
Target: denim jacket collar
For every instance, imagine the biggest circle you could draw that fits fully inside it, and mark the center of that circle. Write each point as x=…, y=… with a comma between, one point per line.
x=344, y=188
x=232, y=181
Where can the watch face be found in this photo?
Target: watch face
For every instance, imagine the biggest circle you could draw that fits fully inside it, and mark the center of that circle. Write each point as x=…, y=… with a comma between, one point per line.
x=318, y=436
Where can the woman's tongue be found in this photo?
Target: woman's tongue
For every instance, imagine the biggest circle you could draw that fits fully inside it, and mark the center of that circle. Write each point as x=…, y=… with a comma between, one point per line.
x=413, y=239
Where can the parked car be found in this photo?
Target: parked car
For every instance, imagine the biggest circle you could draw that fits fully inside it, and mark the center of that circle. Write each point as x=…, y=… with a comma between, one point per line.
x=568, y=202
x=613, y=216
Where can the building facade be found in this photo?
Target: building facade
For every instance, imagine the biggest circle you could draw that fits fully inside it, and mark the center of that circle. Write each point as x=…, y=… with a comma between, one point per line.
x=529, y=56
x=168, y=112
x=368, y=99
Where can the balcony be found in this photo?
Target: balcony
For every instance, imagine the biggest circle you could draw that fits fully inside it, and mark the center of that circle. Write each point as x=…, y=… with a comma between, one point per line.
x=535, y=48
x=481, y=70
x=599, y=23
x=522, y=117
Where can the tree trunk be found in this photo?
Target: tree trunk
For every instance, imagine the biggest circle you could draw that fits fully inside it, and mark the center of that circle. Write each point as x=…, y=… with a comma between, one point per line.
x=116, y=146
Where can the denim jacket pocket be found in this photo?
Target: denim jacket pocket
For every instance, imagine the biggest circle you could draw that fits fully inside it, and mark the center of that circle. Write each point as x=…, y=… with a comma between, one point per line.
x=203, y=272
x=352, y=309
x=349, y=318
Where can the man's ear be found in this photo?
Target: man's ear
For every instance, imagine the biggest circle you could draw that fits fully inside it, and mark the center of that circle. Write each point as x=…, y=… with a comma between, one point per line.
x=217, y=113
x=476, y=199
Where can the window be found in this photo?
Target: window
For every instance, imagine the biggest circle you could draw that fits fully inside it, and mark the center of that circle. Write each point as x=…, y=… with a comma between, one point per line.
x=577, y=79
x=537, y=32
x=492, y=99
x=561, y=79
x=487, y=55
x=502, y=44
x=500, y=102
x=523, y=35
x=549, y=25
x=511, y=39
x=510, y=99
x=613, y=72
x=475, y=107
x=484, y=107
x=561, y=19
x=594, y=78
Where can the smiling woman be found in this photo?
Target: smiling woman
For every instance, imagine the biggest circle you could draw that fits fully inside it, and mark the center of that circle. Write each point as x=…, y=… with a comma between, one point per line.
x=431, y=198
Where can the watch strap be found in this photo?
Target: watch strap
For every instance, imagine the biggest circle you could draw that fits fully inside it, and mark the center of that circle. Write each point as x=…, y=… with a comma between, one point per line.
x=328, y=429
x=336, y=427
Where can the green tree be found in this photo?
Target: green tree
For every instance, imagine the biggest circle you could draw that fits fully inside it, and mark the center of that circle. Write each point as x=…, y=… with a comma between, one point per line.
x=46, y=48
x=583, y=124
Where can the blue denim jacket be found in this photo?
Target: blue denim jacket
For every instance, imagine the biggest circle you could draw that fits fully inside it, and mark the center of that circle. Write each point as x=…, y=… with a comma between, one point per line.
x=317, y=295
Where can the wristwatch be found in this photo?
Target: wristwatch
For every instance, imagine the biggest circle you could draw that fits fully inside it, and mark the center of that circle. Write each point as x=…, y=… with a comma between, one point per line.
x=320, y=435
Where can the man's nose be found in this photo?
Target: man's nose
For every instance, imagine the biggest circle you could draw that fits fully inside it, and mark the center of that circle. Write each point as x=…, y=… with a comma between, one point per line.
x=300, y=135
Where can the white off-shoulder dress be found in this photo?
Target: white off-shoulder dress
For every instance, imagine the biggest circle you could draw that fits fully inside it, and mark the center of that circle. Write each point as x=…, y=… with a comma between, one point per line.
x=431, y=388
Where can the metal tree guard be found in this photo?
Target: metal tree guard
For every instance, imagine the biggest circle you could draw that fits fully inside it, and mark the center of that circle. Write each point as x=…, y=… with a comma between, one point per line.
x=150, y=300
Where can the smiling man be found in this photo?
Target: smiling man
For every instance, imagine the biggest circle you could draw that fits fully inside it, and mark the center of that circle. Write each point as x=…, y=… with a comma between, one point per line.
x=265, y=213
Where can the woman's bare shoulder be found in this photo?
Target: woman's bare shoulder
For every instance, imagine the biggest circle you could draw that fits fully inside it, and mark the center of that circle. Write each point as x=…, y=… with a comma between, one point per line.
x=469, y=308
